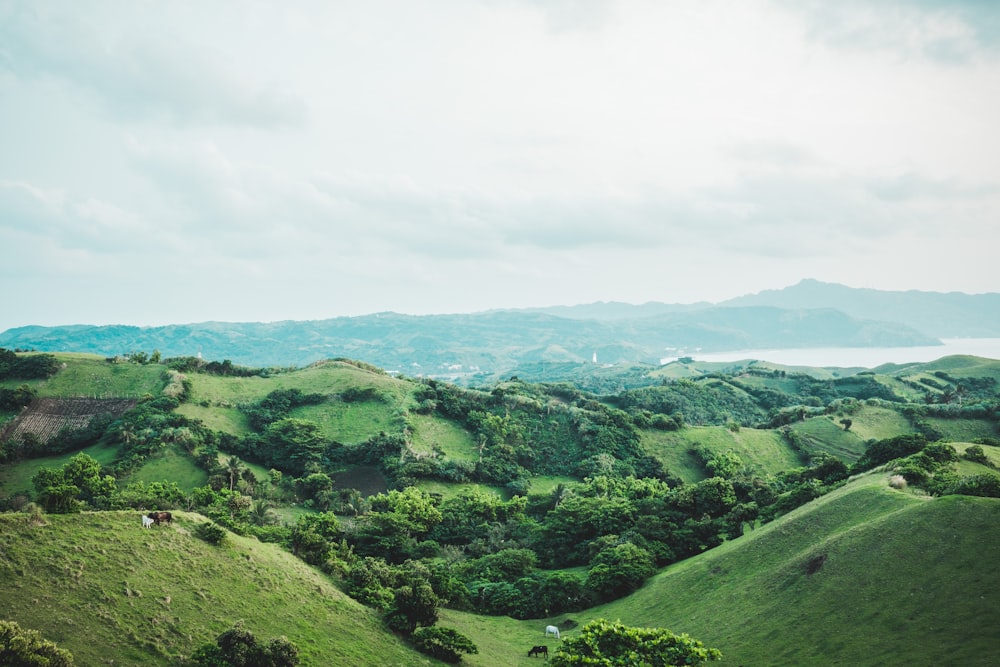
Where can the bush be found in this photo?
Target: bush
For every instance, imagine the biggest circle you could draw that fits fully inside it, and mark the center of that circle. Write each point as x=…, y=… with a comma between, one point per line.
x=986, y=485
x=897, y=482
x=976, y=454
x=619, y=570
x=237, y=647
x=210, y=532
x=443, y=643
x=614, y=644
x=27, y=648
x=883, y=451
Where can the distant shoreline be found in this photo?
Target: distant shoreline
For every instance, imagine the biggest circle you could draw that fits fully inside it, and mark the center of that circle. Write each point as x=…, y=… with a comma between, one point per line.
x=865, y=357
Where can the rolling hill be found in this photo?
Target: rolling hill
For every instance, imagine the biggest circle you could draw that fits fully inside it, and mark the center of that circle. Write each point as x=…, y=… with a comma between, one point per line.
x=863, y=576
x=859, y=573
x=113, y=593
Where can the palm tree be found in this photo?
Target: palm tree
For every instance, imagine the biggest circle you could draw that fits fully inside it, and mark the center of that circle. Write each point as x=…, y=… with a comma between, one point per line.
x=234, y=468
x=261, y=513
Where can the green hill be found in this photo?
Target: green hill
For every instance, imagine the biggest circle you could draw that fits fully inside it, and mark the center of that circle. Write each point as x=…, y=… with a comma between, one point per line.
x=863, y=576
x=113, y=593
x=524, y=495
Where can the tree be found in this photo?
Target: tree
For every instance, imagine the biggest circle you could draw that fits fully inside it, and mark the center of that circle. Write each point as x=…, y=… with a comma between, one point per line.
x=20, y=647
x=313, y=537
x=234, y=469
x=62, y=490
x=237, y=647
x=604, y=644
x=443, y=643
x=976, y=454
x=620, y=570
x=293, y=444
x=413, y=604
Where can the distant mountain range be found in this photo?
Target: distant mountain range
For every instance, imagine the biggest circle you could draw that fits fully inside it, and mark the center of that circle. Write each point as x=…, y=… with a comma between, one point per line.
x=809, y=314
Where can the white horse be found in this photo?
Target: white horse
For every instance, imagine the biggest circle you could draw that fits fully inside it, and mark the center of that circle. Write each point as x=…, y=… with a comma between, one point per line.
x=146, y=521
x=552, y=630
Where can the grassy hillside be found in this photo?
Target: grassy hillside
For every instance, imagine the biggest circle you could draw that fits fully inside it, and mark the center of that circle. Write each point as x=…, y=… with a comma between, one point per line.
x=113, y=593
x=825, y=435
x=892, y=570
x=766, y=451
x=92, y=375
x=864, y=576
x=214, y=399
x=876, y=422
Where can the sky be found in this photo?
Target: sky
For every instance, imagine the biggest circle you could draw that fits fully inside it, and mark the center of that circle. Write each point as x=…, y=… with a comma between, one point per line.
x=180, y=162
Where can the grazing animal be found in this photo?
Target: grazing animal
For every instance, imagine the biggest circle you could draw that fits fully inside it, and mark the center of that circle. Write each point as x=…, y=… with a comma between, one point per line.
x=552, y=630
x=539, y=650
x=146, y=521
x=160, y=517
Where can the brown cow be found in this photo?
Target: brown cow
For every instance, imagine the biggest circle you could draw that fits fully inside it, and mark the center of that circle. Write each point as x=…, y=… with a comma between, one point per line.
x=539, y=650
x=160, y=517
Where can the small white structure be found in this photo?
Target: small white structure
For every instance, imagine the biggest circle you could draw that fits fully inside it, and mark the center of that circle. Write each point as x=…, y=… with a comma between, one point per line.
x=551, y=630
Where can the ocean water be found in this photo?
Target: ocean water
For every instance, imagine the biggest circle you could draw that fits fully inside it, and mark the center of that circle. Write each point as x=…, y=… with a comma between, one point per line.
x=865, y=357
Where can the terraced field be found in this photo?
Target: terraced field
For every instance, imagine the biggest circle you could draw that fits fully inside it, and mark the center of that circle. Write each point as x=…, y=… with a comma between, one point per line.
x=46, y=417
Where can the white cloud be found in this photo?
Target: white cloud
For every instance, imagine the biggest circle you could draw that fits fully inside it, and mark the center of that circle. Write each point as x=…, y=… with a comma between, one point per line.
x=269, y=161
x=148, y=72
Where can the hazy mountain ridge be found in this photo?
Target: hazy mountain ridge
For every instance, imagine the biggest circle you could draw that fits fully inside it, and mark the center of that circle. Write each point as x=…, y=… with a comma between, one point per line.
x=810, y=314
x=938, y=314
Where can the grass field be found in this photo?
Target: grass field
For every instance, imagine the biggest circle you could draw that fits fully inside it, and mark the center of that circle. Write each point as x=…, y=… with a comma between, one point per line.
x=874, y=422
x=963, y=430
x=171, y=464
x=430, y=432
x=91, y=375
x=328, y=377
x=823, y=434
x=351, y=423
x=227, y=420
x=113, y=593
x=764, y=450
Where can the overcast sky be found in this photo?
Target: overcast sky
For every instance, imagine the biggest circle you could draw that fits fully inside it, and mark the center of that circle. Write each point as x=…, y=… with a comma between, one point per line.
x=177, y=162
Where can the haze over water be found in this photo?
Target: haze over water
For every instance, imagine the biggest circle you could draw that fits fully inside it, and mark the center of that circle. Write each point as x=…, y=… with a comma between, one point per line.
x=867, y=357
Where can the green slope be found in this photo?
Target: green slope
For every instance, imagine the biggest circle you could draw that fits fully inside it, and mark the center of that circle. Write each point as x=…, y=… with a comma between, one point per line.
x=897, y=579
x=92, y=375
x=764, y=450
x=113, y=593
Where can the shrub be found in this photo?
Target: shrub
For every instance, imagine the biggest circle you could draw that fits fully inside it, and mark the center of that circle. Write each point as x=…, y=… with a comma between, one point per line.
x=613, y=644
x=237, y=647
x=210, y=532
x=883, y=451
x=976, y=454
x=897, y=482
x=443, y=643
x=986, y=485
x=619, y=570
x=27, y=648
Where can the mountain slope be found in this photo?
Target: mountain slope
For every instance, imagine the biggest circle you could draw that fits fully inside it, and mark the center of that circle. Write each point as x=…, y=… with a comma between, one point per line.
x=107, y=590
x=838, y=584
